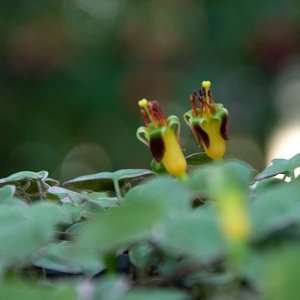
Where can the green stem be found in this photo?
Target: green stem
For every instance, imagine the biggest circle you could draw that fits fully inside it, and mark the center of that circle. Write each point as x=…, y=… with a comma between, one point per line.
x=184, y=177
x=117, y=189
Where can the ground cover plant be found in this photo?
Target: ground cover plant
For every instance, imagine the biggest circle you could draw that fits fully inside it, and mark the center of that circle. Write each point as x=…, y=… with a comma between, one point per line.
x=193, y=227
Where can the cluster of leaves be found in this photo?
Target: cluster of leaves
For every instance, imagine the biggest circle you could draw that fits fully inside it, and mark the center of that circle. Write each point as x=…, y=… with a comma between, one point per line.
x=132, y=234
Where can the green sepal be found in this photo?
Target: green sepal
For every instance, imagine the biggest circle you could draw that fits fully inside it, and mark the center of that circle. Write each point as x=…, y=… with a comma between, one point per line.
x=158, y=167
x=173, y=122
x=143, y=135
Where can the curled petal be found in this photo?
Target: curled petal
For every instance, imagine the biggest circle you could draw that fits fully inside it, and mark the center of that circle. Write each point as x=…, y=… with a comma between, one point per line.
x=223, y=129
x=142, y=135
x=201, y=135
x=173, y=122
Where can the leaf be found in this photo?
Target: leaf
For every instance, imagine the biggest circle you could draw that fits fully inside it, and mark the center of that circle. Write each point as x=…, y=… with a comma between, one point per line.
x=198, y=159
x=155, y=293
x=142, y=255
x=196, y=235
x=280, y=166
x=29, y=291
x=230, y=172
x=276, y=209
x=105, y=181
x=56, y=256
x=21, y=235
x=111, y=287
x=7, y=191
x=33, y=183
x=49, y=213
x=281, y=273
x=144, y=208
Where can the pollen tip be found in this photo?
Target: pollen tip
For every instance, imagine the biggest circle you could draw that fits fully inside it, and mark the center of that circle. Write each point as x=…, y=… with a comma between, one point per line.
x=206, y=84
x=143, y=103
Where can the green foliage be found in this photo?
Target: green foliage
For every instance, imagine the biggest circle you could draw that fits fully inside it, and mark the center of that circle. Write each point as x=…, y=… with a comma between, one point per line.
x=153, y=241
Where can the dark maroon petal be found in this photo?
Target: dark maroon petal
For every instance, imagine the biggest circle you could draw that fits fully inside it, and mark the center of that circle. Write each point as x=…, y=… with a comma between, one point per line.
x=201, y=135
x=223, y=129
x=157, y=147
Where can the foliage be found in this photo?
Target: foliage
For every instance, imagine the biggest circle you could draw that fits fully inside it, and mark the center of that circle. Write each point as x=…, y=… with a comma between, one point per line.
x=136, y=235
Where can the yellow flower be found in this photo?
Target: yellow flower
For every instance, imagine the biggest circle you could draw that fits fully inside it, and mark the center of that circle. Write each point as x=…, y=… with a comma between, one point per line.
x=209, y=122
x=161, y=134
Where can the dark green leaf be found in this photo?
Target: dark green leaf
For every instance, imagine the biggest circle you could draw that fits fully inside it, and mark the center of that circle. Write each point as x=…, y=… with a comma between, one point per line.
x=198, y=159
x=105, y=181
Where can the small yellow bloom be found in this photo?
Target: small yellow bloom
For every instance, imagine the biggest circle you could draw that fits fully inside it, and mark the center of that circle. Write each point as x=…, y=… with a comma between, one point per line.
x=173, y=159
x=208, y=122
x=161, y=134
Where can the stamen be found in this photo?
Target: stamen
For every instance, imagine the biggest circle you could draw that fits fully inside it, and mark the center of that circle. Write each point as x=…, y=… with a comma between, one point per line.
x=144, y=105
x=157, y=111
x=193, y=103
x=145, y=116
x=211, y=97
x=152, y=114
x=206, y=85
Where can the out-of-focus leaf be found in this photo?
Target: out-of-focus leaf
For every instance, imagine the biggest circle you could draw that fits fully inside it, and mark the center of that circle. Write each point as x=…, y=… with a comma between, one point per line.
x=195, y=234
x=28, y=291
x=237, y=172
x=49, y=213
x=155, y=293
x=276, y=209
x=21, y=235
x=105, y=181
x=142, y=255
x=7, y=191
x=144, y=207
x=267, y=183
x=57, y=257
x=111, y=288
x=281, y=273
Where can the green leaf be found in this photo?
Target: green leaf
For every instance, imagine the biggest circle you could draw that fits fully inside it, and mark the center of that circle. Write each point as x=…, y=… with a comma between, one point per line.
x=105, y=181
x=280, y=166
x=142, y=255
x=49, y=213
x=155, y=293
x=21, y=234
x=281, y=273
x=7, y=191
x=232, y=172
x=57, y=257
x=198, y=159
x=24, y=175
x=111, y=287
x=18, y=290
x=276, y=209
x=144, y=207
x=195, y=234
x=30, y=182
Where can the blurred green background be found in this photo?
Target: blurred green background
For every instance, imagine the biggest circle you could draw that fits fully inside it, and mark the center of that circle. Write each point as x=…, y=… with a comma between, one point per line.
x=72, y=72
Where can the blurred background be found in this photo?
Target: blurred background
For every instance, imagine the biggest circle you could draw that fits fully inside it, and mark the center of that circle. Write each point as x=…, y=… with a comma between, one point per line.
x=72, y=72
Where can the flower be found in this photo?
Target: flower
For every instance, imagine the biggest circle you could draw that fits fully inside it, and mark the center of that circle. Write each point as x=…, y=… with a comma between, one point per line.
x=209, y=122
x=161, y=135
